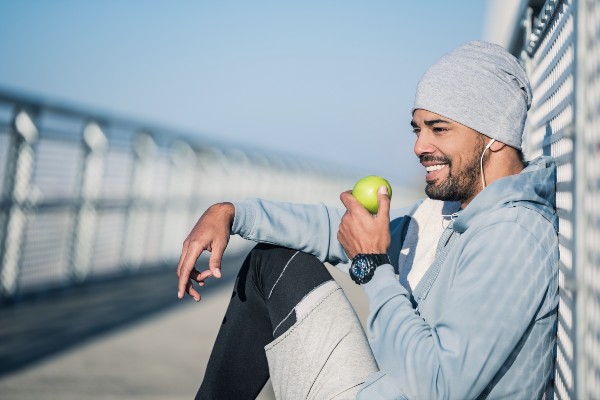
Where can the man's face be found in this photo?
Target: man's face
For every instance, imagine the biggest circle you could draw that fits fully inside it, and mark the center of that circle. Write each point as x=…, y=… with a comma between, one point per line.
x=450, y=152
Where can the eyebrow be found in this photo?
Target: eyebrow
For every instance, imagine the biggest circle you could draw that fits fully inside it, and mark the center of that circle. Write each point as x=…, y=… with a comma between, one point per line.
x=429, y=122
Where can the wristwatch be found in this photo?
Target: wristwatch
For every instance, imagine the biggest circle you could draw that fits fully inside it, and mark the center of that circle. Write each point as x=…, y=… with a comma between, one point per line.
x=364, y=265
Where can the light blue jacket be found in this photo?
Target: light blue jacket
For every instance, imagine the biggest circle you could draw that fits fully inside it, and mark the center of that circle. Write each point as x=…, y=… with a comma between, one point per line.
x=487, y=325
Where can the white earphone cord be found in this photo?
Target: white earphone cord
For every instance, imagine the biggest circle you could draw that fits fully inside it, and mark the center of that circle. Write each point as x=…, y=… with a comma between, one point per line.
x=481, y=163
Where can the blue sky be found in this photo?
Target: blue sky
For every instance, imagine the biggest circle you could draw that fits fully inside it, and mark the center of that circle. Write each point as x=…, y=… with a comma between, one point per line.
x=332, y=79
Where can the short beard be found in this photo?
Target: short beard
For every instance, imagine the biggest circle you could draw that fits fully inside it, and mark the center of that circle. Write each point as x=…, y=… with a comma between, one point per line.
x=462, y=187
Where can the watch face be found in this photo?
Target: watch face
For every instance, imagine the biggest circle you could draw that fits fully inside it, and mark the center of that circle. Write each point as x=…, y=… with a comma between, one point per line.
x=361, y=266
x=362, y=269
x=364, y=265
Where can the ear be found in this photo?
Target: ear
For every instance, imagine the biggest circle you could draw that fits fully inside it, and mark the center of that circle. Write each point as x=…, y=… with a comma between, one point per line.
x=497, y=146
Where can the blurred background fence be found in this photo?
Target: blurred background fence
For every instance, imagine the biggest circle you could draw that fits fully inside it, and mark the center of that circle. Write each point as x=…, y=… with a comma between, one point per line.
x=558, y=42
x=85, y=196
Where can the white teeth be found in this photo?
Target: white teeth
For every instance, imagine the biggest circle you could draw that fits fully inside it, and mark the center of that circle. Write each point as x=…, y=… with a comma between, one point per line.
x=435, y=167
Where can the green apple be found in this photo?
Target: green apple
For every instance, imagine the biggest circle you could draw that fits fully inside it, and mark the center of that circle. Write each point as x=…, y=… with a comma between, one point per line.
x=365, y=191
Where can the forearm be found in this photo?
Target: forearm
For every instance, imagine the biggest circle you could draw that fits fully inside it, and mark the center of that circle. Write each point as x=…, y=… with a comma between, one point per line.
x=311, y=228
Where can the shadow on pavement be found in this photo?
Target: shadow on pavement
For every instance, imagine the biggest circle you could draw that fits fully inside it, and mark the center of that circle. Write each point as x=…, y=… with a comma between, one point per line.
x=36, y=327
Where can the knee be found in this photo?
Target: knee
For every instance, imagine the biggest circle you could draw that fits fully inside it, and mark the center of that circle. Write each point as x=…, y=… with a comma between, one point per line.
x=265, y=252
x=268, y=258
x=264, y=258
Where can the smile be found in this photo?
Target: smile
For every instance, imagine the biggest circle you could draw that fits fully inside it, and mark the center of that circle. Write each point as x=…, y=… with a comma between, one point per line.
x=436, y=167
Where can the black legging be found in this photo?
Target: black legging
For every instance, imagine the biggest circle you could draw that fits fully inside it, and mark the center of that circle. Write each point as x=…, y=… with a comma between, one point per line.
x=270, y=283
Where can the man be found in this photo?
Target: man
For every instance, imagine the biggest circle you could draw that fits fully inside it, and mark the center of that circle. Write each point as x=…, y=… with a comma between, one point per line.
x=462, y=287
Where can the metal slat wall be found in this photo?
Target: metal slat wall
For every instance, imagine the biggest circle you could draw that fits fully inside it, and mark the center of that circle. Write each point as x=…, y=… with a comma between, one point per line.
x=84, y=196
x=588, y=195
x=562, y=55
x=551, y=124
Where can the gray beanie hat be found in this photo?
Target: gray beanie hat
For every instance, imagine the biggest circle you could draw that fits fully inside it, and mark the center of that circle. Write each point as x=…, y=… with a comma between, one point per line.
x=479, y=85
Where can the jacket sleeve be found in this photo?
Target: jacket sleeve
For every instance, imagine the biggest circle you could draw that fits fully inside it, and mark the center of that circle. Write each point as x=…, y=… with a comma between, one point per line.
x=311, y=228
x=492, y=299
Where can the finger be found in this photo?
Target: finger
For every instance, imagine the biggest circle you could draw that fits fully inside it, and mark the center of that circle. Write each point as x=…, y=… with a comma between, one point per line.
x=204, y=275
x=189, y=248
x=384, y=202
x=347, y=199
x=192, y=292
x=216, y=256
x=195, y=275
x=187, y=266
x=182, y=284
x=350, y=252
x=182, y=256
x=352, y=204
x=341, y=238
x=200, y=277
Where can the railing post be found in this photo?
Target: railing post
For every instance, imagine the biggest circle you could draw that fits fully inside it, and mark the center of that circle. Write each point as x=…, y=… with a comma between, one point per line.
x=86, y=216
x=137, y=210
x=19, y=169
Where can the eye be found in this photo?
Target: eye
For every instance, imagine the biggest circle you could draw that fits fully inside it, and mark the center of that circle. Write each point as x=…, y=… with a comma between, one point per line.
x=438, y=129
x=416, y=131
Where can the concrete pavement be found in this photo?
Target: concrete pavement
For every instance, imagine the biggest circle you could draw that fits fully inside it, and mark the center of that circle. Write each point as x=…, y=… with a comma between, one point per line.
x=162, y=357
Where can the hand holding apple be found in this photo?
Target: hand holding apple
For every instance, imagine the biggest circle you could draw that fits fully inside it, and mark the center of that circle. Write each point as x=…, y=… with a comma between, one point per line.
x=365, y=191
x=365, y=226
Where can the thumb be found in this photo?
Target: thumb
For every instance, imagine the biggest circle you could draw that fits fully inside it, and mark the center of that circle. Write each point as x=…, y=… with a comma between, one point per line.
x=383, y=199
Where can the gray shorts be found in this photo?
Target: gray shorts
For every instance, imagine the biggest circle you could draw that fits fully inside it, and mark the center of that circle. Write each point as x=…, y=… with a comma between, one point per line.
x=325, y=354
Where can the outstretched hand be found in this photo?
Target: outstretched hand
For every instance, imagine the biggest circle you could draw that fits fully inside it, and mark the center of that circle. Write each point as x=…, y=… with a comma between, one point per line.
x=211, y=233
x=361, y=232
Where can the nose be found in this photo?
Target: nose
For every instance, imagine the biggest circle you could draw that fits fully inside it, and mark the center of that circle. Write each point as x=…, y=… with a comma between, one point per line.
x=423, y=144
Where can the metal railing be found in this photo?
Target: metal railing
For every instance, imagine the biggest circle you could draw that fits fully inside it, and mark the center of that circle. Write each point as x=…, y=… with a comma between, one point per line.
x=85, y=195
